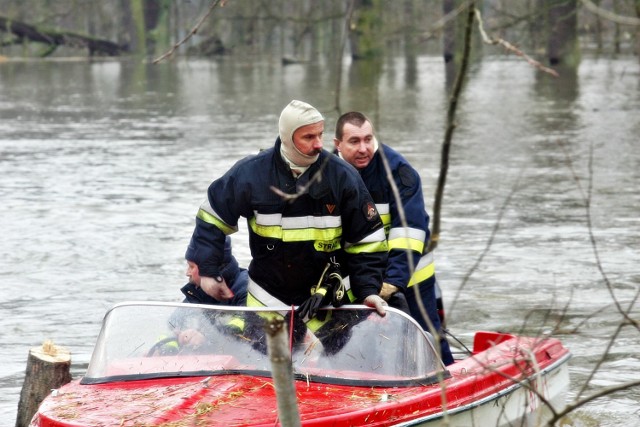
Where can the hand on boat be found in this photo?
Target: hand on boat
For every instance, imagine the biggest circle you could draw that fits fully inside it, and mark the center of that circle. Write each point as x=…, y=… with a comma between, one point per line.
x=376, y=302
x=216, y=288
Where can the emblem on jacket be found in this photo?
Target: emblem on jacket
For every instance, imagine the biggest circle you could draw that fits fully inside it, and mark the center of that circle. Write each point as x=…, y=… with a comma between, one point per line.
x=330, y=208
x=370, y=211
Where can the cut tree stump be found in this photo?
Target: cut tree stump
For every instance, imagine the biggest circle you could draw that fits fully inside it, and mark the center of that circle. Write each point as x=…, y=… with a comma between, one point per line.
x=48, y=368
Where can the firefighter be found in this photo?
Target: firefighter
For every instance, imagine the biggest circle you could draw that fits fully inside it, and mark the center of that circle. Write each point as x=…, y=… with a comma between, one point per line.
x=356, y=143
x=303, y=207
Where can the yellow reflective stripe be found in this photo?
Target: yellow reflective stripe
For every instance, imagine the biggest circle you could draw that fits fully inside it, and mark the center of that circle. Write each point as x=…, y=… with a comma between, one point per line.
x=214, y=220
x=236, y=322
x=295, y=235
x=368, y=248
x=252, y=301
x=424, y=270
x=385, y=215
x=407, y=238
x=374, y=242
x=260, y=297
x=386, y=221
x=406, y=243
x=315, y=323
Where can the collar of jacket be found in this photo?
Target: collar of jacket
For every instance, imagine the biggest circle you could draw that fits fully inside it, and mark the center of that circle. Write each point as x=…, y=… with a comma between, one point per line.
x=317, y=189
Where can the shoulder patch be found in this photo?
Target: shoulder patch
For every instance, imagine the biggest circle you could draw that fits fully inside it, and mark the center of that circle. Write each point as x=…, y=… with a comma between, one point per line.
x=370, y=211
x=407, y=176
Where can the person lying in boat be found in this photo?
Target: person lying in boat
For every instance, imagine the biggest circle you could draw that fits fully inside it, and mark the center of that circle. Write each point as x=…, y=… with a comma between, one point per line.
x=188, y=331
x=234, y=278
x=356, y=143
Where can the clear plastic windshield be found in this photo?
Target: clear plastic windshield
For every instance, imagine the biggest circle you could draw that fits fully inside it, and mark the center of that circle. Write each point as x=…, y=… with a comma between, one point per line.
x=352, y=345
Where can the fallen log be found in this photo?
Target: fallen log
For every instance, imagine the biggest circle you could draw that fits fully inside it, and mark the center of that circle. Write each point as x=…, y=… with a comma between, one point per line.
x=48, y=367
x=23, y=31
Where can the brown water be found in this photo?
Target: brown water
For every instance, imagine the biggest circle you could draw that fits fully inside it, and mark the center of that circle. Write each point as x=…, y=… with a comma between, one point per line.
x=103, y=166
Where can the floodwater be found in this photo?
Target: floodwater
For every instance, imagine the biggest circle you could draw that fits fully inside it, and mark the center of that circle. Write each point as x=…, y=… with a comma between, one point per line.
x=103, y=166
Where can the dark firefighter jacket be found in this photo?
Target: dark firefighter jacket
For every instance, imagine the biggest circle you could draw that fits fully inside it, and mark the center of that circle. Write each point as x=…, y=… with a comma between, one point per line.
x=416, y=236
x=292, y=239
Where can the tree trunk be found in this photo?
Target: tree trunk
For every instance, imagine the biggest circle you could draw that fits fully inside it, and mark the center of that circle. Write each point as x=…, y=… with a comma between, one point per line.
x=365, y=31
x=638, y=30
x=282, y=372
x=563, y=33
x=48, y=367
x=134, y=26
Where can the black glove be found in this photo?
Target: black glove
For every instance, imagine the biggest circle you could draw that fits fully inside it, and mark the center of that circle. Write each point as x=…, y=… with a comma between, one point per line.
x=330, y=288
x=312, y=304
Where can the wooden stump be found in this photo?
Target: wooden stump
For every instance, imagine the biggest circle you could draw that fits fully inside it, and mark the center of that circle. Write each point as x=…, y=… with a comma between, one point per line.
x=48, y=367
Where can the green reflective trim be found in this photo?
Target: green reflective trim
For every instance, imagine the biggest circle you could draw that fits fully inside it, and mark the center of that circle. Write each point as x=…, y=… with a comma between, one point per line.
x=369, y=248
x=386, y=219
x=406, y=243
x=236, y=322
x=315, y=323
x=295, y=235
x=423, y=274
x=267, y=315
x=253, y=301
x=210, y=219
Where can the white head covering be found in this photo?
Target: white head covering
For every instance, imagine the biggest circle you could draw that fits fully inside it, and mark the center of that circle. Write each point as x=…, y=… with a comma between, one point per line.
x=294, y=116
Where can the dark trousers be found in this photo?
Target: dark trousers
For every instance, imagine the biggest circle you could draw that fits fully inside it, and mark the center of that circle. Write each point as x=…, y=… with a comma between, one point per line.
x=428, y=297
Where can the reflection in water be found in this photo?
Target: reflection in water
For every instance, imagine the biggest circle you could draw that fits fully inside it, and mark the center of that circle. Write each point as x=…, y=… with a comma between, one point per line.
x=104, y=165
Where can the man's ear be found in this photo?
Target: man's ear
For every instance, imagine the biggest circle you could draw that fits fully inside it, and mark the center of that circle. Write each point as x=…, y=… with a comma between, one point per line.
x=336, y=142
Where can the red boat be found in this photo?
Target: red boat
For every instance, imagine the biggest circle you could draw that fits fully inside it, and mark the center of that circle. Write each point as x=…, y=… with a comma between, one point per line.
x=163, y=364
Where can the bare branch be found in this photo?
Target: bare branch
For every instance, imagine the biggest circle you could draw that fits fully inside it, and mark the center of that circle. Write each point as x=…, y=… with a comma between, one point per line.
x=610, y=16
x=587, y=202
x=511, y=48
x=193, y=31
x=494, y=231
x=604, y=392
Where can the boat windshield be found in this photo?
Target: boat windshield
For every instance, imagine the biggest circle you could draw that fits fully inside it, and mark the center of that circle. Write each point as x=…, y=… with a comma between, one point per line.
x=350, y=345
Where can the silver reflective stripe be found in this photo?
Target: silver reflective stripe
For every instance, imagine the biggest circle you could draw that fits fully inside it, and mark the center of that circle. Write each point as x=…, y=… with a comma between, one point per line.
x=264, y=297
x=298, y=222
x=407, y=232
x=383, y=208
x=377, y=236
x=425, y=261
x=206, y=206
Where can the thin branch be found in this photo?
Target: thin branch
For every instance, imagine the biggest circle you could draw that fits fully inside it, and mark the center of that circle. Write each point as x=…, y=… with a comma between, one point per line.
x=604, y=392
x=193, y=31
x=594, y=245
x=511, y=48
x=302, y=189
x=451, y=125
x=440, y=23
x=610, y=16
x=343, y=44
x=494, y=232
